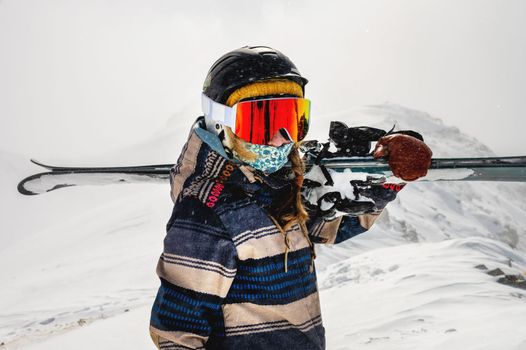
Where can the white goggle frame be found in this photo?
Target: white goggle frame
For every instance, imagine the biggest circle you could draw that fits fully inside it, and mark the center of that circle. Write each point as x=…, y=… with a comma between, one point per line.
x=218, y=112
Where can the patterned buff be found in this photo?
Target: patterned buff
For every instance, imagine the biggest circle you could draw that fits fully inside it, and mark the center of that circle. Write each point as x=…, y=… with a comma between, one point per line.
x=269, y=158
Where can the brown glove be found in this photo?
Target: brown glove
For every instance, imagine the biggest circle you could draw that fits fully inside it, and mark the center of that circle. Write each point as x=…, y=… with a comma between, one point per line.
x=408, y=157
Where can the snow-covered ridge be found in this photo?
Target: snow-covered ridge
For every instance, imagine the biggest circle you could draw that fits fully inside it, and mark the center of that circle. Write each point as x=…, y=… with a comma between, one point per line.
x=78, y=255
x=444, y=140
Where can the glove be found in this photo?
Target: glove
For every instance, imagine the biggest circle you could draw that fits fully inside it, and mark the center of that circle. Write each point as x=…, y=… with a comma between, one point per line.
x=408, y=157
x=346, y=196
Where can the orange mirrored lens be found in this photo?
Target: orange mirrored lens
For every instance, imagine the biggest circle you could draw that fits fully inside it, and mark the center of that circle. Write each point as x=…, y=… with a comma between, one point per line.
x=257, y=121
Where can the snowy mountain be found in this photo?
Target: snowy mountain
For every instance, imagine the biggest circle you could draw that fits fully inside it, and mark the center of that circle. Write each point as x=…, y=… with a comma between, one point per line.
x=78, y=264
x=432, y=212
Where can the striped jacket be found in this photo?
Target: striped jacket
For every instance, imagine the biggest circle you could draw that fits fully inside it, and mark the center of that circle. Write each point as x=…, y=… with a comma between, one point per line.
x=225, y=281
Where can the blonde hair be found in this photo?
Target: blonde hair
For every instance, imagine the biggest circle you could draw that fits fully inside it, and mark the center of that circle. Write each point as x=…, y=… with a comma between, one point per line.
x=293, y=210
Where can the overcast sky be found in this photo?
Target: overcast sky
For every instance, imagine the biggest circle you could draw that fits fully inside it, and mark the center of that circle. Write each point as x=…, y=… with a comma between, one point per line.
x=82, y=77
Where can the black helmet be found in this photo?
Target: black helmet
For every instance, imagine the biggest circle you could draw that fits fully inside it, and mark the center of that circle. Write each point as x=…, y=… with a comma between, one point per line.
x=246, y=65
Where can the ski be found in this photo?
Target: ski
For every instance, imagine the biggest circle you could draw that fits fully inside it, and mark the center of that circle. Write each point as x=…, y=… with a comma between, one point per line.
x=150, y=169
x=506, y=169
x=60, y=176
x=509, y=169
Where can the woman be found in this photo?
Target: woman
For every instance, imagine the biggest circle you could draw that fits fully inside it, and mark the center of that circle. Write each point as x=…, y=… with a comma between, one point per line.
x=237, y=271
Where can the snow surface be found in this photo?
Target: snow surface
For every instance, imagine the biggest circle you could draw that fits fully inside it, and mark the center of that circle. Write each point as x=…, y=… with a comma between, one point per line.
x=78, y=264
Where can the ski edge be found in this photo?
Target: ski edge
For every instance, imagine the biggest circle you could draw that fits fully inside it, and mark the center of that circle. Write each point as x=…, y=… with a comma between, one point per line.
x=157, y=168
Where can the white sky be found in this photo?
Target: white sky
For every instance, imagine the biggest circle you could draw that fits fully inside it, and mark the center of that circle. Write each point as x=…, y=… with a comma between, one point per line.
x=80, y=78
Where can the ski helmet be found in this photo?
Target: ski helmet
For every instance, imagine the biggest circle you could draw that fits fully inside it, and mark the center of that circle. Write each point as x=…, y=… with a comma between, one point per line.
x=247, y=65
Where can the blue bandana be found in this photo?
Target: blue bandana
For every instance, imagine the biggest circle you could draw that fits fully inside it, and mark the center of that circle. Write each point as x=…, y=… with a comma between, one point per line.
x=269, y=158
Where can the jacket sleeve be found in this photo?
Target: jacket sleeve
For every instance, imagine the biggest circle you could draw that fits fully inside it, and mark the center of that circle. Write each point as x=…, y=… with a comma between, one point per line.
x=196, y=269
x=339, y=229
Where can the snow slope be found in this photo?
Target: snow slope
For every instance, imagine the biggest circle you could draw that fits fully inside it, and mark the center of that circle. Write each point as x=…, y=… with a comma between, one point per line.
x=78, y=264
x=425, y=296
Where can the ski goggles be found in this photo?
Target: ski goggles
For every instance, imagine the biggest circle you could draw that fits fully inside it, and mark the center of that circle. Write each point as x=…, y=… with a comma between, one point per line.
x=256, y=121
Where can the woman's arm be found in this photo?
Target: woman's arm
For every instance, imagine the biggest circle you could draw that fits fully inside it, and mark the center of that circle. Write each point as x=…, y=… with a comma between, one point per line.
x=196, y=269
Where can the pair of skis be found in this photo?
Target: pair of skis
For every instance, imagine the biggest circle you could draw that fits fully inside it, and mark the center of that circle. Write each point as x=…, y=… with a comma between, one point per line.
x=508, y=169
x=353, y=155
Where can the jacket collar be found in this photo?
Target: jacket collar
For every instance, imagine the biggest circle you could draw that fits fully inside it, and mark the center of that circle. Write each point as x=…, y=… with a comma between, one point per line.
x=253, y=178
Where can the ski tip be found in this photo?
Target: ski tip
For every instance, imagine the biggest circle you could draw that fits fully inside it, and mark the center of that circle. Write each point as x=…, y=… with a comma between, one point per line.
x=23, y=185
x=34, y=161
x=22, y=189
x=49, y=167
